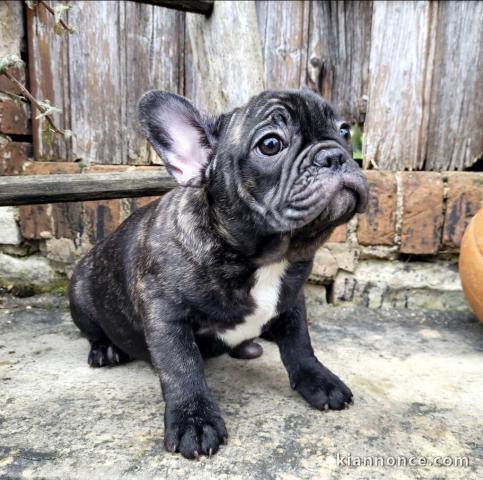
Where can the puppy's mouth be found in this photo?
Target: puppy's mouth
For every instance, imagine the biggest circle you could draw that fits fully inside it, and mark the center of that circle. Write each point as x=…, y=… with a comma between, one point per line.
x=324, y=202
x=358, y=187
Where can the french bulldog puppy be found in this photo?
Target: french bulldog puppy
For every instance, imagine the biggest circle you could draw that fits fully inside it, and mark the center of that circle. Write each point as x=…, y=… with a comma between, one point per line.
x=223, y=258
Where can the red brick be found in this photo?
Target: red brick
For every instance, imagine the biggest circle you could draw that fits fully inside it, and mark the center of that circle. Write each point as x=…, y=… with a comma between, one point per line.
x=7, y=86
x=51, y=168
x=68, y=220
x=465, y=198
x=339, y=235
x=13, y=156
x=376, y=226
x=106, y=168
x=151, y=168
x=51, y=220
x=422, y=219
x=13, y=118
x=101, y=217
x=36, y=221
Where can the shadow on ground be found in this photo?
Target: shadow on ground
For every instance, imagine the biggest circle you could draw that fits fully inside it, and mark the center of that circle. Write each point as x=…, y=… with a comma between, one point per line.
x=416, y=375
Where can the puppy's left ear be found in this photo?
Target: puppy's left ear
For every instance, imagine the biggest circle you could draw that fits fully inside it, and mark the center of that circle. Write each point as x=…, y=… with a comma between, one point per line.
x=181, y=135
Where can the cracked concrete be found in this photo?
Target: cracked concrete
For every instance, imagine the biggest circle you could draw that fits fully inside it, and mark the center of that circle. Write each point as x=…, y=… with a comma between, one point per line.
x=416, y=376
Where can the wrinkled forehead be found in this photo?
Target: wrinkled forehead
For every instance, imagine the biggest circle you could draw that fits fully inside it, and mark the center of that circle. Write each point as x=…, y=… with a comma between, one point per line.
x=297, y=106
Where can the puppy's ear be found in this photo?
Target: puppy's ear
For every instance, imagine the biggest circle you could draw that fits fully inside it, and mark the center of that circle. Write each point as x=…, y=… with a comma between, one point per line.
x=180, y=134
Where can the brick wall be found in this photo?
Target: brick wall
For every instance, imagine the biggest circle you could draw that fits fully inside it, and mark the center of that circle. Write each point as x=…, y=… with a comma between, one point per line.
x=85, y=223
x=418, y=213
x=411, y=215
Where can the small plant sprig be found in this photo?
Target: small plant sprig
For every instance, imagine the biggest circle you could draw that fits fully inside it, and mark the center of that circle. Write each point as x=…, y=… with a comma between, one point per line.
x=57, y=11
x=43, y=107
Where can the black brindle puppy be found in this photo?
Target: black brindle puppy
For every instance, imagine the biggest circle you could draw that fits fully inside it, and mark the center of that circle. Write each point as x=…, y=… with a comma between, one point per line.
x=224, y=259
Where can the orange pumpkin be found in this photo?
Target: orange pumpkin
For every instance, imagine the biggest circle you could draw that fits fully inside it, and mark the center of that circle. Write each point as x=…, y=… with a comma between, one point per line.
x=471, y=264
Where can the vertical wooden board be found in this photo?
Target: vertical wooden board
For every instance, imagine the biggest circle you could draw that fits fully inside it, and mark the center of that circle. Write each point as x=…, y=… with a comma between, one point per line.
x=227, y=67
x=189, y=84
x=283, y=28
x=96, y=53
x=401, y=54
x=49, y=80
x=154, y=60
x=338, y=55
x=119, y=51
x=455, y=136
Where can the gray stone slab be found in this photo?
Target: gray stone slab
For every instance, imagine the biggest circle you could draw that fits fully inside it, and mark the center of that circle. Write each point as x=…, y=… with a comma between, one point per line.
x=416, y=376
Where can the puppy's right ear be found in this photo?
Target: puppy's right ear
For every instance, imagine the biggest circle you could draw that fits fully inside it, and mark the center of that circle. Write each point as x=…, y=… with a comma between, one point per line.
x=179, y=133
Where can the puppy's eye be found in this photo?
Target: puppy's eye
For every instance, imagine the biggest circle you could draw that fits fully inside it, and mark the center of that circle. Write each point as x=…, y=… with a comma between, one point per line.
x=270, y=145
x=345, y=132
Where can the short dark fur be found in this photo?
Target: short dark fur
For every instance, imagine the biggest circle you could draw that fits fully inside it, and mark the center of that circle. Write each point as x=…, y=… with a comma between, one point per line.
x=180, y=269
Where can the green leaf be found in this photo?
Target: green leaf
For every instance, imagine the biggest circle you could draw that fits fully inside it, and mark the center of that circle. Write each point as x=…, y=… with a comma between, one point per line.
x=47, y=132
x=58, y=29
x=357, y=155
x=59, y=11
x=356, y=134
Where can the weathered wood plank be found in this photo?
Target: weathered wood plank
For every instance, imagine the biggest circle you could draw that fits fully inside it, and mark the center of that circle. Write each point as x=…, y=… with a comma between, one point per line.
x=96, y=54
x=204, y=7
x=283, y=28
x=399, y=87
x=49, y=80
x=338, y=56
x=119, y=51
x=38, y=189
x=227, y=56
x=455, y=136
x=154, y=59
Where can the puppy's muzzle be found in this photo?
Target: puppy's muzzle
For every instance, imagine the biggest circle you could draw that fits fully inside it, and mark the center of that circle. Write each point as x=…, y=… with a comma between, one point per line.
x=339, y=162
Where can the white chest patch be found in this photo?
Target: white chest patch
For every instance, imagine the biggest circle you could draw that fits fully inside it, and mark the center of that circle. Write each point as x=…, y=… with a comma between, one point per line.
x=265, y=293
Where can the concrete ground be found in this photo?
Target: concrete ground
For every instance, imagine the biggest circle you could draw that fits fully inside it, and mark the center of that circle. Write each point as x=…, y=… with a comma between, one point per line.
x=417, y=377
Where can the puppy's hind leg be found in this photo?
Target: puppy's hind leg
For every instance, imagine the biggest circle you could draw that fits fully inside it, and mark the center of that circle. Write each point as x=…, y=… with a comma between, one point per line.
x=102, y=352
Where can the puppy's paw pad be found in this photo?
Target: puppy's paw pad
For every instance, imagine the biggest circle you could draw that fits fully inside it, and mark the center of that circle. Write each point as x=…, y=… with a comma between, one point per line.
x=104, y=355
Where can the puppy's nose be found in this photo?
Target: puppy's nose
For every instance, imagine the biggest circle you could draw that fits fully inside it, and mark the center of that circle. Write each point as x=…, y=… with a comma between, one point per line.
x=330, y=158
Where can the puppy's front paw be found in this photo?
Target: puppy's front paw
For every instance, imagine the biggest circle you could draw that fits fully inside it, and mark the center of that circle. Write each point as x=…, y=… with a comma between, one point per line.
x=194, y=428
x=321, y=388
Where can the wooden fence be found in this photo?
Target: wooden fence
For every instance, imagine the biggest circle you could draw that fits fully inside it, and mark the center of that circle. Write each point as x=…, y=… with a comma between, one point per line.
x=409, y=73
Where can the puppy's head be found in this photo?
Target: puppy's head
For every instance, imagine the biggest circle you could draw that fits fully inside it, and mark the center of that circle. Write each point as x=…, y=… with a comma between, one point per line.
x=284, y=156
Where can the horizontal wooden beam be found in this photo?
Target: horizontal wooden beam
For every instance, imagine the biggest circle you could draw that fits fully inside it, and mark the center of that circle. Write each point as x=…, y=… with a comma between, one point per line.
x=204, y=7
x=36, y=189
